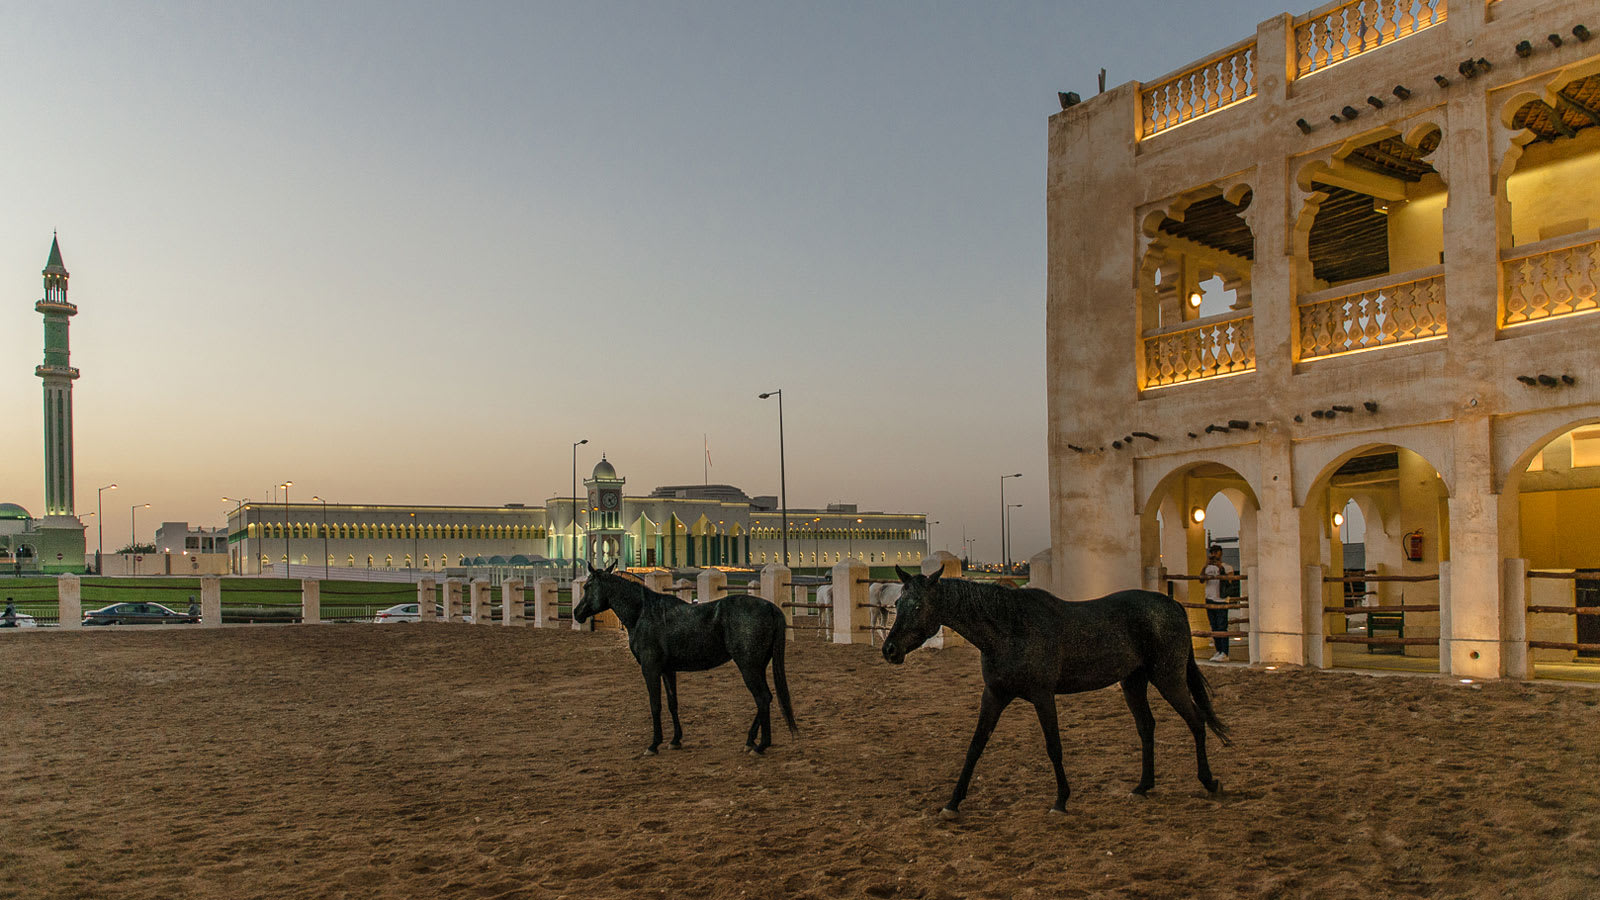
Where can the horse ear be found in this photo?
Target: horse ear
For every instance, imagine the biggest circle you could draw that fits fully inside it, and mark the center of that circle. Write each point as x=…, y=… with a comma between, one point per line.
x=934, y=578
x=592, y=569
x=612, y=567
x=905, y=577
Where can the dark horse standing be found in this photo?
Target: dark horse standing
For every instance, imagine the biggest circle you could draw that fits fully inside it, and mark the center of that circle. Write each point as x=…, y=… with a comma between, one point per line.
x=668, y=636
x=1036, y=645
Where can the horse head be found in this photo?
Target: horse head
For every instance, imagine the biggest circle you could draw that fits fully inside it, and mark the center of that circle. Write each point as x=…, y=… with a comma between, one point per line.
x=594, y=600
x=914, y=619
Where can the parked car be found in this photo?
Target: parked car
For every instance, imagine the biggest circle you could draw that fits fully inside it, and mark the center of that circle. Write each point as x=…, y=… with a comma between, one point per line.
x=138, y=614
x=23, y=620
x=404, y=612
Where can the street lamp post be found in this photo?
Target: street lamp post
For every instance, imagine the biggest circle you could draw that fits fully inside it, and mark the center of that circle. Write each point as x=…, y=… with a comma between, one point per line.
x=783, y=485
x=574, y=526
x=286, y=485
x=850, y=546
x=133, y=532
x=1005, y=548
x=99, y=542
x=816, y=541
x=416, y=548
x=1009, y=508
x=324, y=536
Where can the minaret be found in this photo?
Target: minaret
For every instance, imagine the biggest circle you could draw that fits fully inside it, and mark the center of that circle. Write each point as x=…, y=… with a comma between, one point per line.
x=58, y=375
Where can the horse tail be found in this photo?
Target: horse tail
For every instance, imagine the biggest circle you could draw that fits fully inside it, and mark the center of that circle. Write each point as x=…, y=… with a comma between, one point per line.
x=779, y=681
x=1201, y=692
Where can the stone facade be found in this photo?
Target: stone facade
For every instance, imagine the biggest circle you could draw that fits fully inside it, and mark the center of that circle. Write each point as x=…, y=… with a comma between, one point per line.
x=1351, y=259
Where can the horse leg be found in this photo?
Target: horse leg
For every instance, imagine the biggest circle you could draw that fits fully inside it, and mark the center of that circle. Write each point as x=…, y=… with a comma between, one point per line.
x=1175, y=689
x=652, y=681
x=988, y=715
x=1135, y=690
x=756, y=680
x=1046, y=707
x=671, y=678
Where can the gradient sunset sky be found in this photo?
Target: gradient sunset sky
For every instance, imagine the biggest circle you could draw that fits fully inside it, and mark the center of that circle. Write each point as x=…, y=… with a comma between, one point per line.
x=409, y=253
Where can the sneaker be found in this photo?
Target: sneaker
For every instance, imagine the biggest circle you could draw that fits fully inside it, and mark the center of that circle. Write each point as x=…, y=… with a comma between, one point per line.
x=1220, y=657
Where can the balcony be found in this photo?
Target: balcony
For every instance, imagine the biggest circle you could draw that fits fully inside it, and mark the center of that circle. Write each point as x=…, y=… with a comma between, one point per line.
x=1376, y=312
x=1550, y=279
x=1199, y=89
x=1343, y=30
x=1208, y=348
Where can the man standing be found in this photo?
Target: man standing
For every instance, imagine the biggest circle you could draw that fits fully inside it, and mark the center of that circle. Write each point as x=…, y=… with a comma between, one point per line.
x=1215, y=567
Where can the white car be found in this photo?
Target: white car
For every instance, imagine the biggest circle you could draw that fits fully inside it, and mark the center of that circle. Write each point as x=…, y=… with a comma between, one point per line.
x=23, y=621
x=403, y=612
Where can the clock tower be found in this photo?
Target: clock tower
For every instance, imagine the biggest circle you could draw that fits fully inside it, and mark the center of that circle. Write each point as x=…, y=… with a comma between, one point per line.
x=605, y=513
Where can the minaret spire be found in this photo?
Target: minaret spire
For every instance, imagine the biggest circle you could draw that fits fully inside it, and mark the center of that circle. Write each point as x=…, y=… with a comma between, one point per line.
x=58, y=374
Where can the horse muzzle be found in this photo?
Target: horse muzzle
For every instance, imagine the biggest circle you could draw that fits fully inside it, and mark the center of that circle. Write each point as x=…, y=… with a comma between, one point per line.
x=893, y=654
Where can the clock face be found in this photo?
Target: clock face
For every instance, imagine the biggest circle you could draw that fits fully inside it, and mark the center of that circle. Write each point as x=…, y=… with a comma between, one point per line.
x=608, y=500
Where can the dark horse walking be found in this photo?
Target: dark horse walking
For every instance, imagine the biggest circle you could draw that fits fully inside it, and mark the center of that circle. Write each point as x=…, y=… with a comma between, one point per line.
x=668, y=636
x=1036, y=645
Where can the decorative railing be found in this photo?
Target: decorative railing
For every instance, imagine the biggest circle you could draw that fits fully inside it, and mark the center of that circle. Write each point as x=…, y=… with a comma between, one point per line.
x=1551, y=278
x=1334, y=34
x=1378, y=312
x=1205, y=87
x=1195, y=350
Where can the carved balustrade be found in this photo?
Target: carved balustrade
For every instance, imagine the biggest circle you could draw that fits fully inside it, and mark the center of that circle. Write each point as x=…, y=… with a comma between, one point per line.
x=1378, y=312
x=1551, y=278
x=1335, y=33
x=1205, y=87
x=1221, y=345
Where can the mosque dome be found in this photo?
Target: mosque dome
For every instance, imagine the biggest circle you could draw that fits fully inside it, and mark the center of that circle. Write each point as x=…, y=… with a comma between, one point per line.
x=603, y=469
x=13, y=511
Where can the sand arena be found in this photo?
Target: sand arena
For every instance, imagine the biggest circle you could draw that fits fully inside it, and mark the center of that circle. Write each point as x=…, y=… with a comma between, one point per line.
x=451, y=761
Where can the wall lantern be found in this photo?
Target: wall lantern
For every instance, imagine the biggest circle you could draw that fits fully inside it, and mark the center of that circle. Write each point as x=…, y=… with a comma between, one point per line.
x=1338, y=519
x=1195, y=298
x=1198, y=515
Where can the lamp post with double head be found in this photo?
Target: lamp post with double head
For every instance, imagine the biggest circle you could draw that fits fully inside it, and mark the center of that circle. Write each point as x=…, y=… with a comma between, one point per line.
x=133, y=532
x=324, y=536
x=783, y=486
x=574, y=526
x=1004, y=547
x=286, y=485
x=100, y=517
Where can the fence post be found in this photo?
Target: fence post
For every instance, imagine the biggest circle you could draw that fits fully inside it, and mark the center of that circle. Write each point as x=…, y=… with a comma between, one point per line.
x=660, y=582
x=684, y=588
x=480, y=601
x=310, y=601
x=774, y=589
x=451, y=608
x=948, y=565
x=1155, y=579
x=511, y=610
x=577, y=595
x=850, y=614
x=544, y=601
x=1514, y=618
x=1252, y=577
x=1319, y=653
x=426, y=592
x=69, y=601
x=712, y=585
x=211, y=601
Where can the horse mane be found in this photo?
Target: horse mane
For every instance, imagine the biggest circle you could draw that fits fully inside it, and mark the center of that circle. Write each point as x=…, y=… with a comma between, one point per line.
x=1003, y=608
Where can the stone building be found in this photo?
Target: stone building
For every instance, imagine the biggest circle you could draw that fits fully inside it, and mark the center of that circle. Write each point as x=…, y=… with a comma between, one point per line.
x=1351, y=259
x=679, y=526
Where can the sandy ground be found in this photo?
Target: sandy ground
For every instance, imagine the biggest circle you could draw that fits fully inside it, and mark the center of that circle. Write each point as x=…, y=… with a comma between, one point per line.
x=458, y=761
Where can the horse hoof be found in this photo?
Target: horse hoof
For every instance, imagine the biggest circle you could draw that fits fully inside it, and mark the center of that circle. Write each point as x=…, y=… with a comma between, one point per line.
x=1215, y=787
x=949, y=815
x=649, y=751
x=1058, y=810
x=1137, y=794
x=675, y=745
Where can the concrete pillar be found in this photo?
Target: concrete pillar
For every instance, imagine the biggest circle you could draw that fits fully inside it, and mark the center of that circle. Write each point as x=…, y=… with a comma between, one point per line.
x=1472, y=626
x=1252, y=577
x=660, y=582
x=684, y=589
x=1278, y=616
x=1446, y=664
x=851, y=618
x=949, y=566
x=450, y=607
x=1514, y=594
x=480, y=607
x=1317, y=652
x=511, y=608
x=774, y=588
x=544, y=602
x=712, y=585
x=1039, y=574
x=69, y=601
x=427, y=600
x=211, y=601
x=310, y=601
x=577, y=597
x=1155, y=579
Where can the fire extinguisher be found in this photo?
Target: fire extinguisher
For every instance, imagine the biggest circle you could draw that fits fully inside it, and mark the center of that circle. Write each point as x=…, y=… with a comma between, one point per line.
x=1413, y=544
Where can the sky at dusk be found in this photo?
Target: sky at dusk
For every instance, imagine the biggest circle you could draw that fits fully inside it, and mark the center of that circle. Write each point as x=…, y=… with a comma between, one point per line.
x=407, y=253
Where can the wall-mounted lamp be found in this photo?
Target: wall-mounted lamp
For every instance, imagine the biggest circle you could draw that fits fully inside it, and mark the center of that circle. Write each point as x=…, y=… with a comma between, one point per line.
x=1195, y=298
x=1338, y=519
x=1381, y=206
x=1198, y=515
